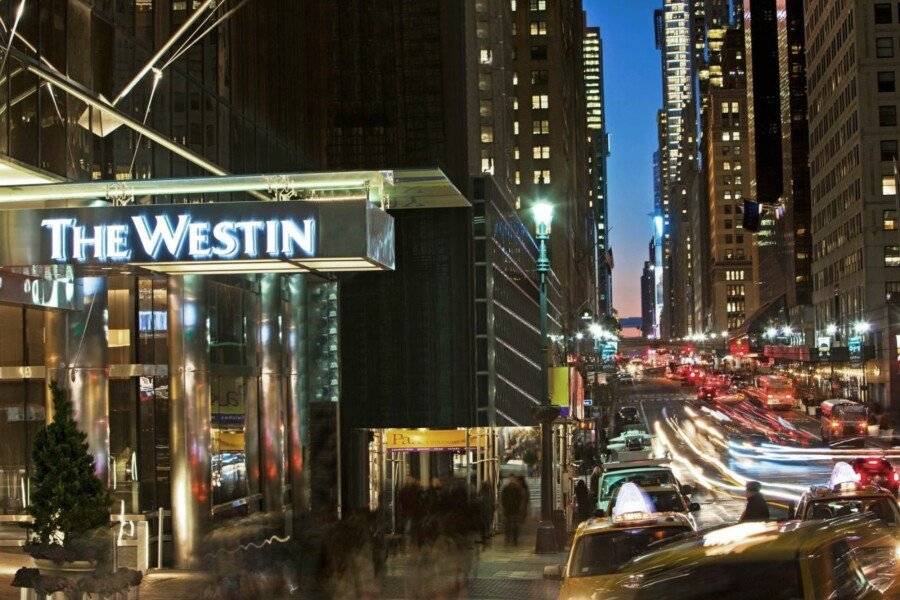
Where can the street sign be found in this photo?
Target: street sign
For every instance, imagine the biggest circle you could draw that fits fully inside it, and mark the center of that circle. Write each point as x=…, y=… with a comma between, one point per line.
x=854, y=345
x=588, y=402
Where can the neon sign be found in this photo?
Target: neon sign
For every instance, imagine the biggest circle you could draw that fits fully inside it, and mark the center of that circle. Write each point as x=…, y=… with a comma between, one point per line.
x=163, y=238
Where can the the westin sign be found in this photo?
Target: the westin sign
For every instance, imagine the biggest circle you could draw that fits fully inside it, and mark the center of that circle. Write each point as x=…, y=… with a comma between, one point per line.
x=264, y=236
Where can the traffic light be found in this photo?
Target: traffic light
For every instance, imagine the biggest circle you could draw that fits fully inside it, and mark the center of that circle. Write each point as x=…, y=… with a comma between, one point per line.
x=752, y=212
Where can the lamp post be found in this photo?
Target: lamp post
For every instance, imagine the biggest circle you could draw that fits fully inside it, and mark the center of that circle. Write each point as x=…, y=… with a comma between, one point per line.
x=546, y=533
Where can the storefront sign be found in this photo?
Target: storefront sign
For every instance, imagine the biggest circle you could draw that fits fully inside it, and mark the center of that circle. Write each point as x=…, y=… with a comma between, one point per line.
x=245, y=236
x=411, y=440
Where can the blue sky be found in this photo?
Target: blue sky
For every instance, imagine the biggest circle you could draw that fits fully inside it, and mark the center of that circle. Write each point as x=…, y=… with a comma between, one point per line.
x=633, y=95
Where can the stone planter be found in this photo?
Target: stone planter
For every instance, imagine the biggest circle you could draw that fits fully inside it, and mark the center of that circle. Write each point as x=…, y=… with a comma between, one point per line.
x=75, y=568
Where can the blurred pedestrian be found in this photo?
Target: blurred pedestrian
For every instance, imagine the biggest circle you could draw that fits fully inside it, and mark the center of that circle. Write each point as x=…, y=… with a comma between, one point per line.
x=582, y=501
x=595, y=481
x=409, y=504
x=512, y=501
x=488, y=504
x=757, y=509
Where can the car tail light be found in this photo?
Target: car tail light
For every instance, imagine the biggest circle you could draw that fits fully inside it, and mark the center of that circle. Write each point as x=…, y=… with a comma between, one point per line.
x=895, y=476
x=873, y=461
x=835, y=424
x=863, y=425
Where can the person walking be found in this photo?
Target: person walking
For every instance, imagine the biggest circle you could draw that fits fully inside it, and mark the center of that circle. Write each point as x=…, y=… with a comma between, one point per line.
x=409, y=504
x=488, y=505
x=757, y=509
x=582, y=501
x=595, y=481
x=512, y=502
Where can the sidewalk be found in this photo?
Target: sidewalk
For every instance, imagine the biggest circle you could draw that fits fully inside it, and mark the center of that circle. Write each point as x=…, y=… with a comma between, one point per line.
x=501, y=572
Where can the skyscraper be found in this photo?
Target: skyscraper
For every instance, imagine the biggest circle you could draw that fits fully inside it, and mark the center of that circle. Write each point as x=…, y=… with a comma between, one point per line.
x=598, y=151
x=852, y=66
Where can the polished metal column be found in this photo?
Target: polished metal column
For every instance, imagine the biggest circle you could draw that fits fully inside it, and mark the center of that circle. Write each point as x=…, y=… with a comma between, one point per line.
x=55, y=329
x=251, y=401
x=271, y=393
x=298, y=394
x=189, y=415
x=87, y=376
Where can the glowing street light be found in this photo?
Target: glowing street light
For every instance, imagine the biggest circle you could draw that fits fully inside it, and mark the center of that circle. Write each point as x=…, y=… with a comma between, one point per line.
x=861, y=327
x=787, y=331
x=831, y=329
x=596, y=330
x=771, y=332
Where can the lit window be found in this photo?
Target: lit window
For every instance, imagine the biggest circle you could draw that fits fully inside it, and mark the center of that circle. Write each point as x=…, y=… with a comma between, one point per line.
x=726, y=108
x=485, y=108
x=537, y=5
x=726, y=136
x=538, y=28
x=541, y=126
x=515, y=128
x=518, y=178
x=726, y=166
x=516, y=153
x=735, y=108
x=487, y=134
x=736, y=136
x=515, y=79
x=889, y=220
x=892, y=256
x=487, y=165
x=892, y=292
x=541, y=152
x=512, y=5
x=542, y=176
x=485, y=57
x=515, y=104
x=484, y=82
x=888, y=185
x=540, y=101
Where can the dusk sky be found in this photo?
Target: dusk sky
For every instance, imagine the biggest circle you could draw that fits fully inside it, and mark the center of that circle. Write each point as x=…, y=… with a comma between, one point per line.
x=633, y=95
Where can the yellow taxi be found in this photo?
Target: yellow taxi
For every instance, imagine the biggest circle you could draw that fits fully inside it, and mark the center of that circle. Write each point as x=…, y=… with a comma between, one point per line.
x=808, y=560
x=602, y=545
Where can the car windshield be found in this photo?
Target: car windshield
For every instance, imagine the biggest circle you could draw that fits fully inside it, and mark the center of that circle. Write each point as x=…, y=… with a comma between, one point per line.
x=840, y=507
x=739, y=580
x=852, y=412
x=650, y=478
x=603, y=553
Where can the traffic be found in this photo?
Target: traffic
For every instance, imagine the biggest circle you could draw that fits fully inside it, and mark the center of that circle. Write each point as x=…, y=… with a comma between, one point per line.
x=721, y=483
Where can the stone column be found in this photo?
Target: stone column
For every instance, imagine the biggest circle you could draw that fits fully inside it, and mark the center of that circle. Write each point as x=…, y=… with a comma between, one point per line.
x=298, y=395
x=189, y=415
x=271, y=394
x=88, y=379
x=251, y=401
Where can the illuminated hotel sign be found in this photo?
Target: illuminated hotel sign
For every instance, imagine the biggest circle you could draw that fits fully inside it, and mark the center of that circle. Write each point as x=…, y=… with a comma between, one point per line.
x=232, y=237
x=161, y=239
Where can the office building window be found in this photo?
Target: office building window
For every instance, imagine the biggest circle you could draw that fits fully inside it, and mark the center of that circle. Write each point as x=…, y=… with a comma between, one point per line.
x=512, y=5
x=516, y=153
x=540, y=77
x=541, y=126
x=485, y=108
x=726, y=108
x=889, y=220
x=726, y=136
x=515, y=128
x=892, y=291
x=538, y=28
x=484, y=82
x=882, y=13
x=739, y=239
x=541, y=152
x=735, y=108
x=729, y=224
x=736, y=136
x=892, y=256
x=540, y=52
x=888, y=150
x=540, y=101
x=542, y=176
x=518, y=178
x=884, y=47
x=887, y=116
x=537, y=5
x=487, y=134
x=888, y=185
x=886, y=81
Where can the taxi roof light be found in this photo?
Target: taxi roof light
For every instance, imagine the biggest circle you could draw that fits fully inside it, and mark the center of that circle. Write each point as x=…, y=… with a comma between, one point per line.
x=630, y=502
x=843, y=477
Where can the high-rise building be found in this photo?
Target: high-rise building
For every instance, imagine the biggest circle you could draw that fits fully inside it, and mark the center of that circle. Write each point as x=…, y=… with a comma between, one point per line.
x=550, y=129
x=853, y=60
x=598, y=152
x=675, y=33
x=648, y=294
x=778, y=165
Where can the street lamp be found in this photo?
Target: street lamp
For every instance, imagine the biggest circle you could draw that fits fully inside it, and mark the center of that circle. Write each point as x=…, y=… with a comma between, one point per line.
x=771, y=332
x=545, y=541
x=861, y=327
x=831, y=329
x=596, y=330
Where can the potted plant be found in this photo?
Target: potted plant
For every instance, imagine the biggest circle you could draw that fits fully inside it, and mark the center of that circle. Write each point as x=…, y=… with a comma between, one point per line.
x=69, y=505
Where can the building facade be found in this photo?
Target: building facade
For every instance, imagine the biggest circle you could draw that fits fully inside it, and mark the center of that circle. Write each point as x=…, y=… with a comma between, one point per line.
x=852, y=64
x=598, y=152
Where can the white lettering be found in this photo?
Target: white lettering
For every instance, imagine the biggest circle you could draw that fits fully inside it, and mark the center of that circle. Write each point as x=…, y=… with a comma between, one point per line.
x=272, y=238
x=250, y=229
x=80, y=241
x=117, y=247
x=224, y=234
x=198, y=240
x=57, y=229
x=292, y=235
x=162, y=234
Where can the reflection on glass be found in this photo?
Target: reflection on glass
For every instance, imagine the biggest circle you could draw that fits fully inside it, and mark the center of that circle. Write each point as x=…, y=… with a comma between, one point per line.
x=229, y=456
